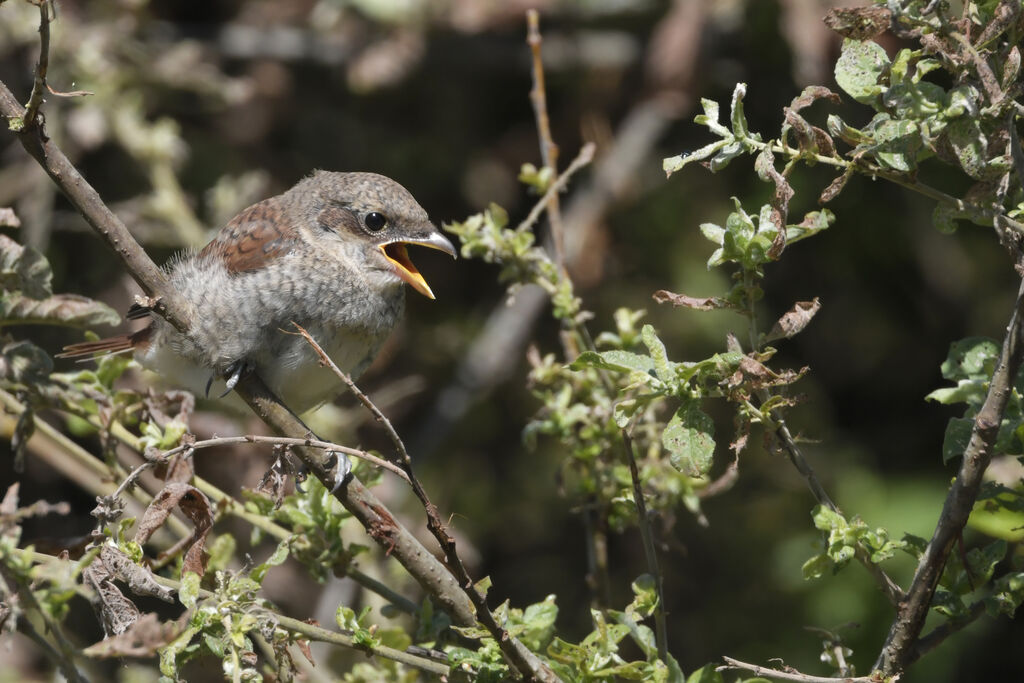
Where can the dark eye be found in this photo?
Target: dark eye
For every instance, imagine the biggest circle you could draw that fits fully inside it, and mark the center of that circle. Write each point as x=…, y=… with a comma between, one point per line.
x=375, y=221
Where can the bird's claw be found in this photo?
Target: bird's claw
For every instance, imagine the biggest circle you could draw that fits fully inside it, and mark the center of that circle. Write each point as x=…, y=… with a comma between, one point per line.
x=336, y=463
x=340, y=466
x=233, y=373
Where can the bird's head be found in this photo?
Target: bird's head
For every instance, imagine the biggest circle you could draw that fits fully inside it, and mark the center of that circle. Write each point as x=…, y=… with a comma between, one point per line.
x=379, y=219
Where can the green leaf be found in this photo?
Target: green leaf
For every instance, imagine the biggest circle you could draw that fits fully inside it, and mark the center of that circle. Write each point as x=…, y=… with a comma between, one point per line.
x=24, y=269
x=60, y=309
x=538, y=624
x=897, y=142
x=958, y=434
x=971, y=358
x=706, y=674
x=689, y=439
x=971, y=391
x=645, y=597
x=858, y=69
x=970, y=146
x=539, y=179
x=188, y=593
x=712, y=232
x=739, y=121
x=726, y=154
x=613, y=361
x=659, y=357
x=710, y=117
x=815, y=567
x=278, y=557
x=672, y=164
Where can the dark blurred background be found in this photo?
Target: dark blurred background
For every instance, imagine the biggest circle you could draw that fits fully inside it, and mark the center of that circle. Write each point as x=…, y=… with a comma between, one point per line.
x=201, y=108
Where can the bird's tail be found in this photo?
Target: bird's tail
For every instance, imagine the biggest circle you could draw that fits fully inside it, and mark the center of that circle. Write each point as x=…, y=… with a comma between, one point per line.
x=108, y=346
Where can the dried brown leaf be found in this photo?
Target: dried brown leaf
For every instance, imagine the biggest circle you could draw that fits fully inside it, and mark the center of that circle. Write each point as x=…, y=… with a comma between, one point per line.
x=794, y=320
x=8, y=219
x=116, y=612
x=195, y=506
x=764, y=164
x=9, y=504
x=140, y=580
x=836, y=186
x=810, y=95
x=859, y=23
x=141, y=639
x=697, y=303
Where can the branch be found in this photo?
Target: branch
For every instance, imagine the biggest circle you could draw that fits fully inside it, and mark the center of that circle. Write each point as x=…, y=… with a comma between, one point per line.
x=897, y=651
x=944, y=630
x=585, y=156
x=548, y=148
x=650, y=553
x=525, y=661
x=791, y=675
x=254, y=438
x=35, y=99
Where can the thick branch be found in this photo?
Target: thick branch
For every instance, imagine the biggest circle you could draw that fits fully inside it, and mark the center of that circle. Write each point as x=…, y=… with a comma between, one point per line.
x=903, y=633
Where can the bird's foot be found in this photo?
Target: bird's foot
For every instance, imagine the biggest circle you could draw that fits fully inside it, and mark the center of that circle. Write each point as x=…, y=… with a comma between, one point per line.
x=336, y=463
x=340, y=466
x=232, y=373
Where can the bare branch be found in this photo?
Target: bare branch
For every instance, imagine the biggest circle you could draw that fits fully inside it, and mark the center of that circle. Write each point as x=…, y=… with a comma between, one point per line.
x=35, y=99
x=254, y=438
x=790, y=675
x=548, y=148
x=585, y=156
x=905, y=629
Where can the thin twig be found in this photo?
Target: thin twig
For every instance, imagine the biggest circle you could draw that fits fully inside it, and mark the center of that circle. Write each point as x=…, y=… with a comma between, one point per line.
x=255, y=438
x=650, y=552
x=35, y=99
x=381, y=419
x=792, y=675
x=548, y=148
x=937, y=635
x=524, y=661
x=585, y=156
x=911, y=614
x=69, y=93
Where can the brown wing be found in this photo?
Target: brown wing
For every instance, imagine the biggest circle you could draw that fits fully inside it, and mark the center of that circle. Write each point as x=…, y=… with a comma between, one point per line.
x=254, y=237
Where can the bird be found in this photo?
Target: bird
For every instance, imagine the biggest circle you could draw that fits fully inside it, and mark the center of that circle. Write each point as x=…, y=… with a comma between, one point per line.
x=329, y=254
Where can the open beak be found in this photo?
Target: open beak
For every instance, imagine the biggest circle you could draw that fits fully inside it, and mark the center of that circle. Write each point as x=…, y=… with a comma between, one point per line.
x=396, y=253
